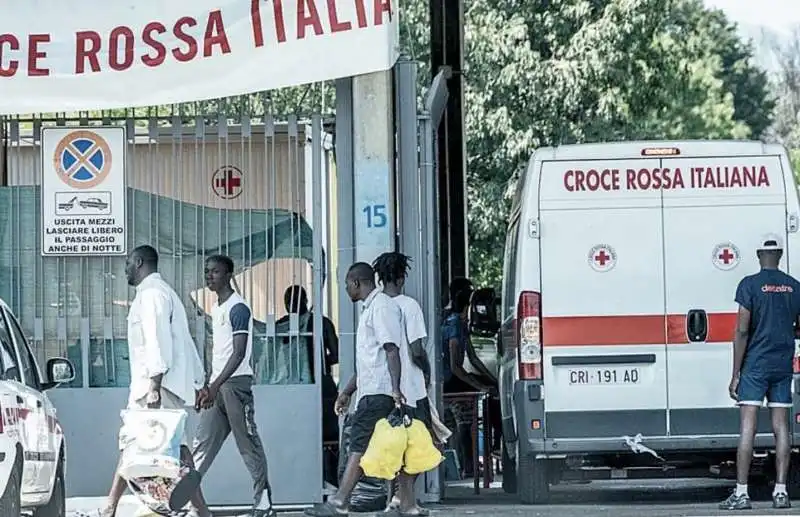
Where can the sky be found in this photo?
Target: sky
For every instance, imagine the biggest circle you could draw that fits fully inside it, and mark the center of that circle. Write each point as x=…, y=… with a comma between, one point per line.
x=778, y=15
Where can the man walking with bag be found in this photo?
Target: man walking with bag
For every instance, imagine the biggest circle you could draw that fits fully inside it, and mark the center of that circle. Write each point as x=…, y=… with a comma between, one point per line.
x=380, y=346
x=166, y=369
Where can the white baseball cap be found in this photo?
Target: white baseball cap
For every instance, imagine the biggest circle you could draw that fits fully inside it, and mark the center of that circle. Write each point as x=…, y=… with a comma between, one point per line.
x=770, y=242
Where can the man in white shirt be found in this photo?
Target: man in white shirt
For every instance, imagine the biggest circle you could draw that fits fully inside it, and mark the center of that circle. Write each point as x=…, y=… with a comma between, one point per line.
x=166, y=370
x=380, y=348
x=392, y=269
x=227, y=400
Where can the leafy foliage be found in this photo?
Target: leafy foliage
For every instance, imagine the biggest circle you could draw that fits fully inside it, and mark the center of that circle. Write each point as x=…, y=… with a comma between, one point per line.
x=550, y=72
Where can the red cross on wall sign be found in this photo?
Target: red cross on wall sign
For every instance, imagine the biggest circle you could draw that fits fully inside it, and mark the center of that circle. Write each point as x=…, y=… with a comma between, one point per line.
x=725, y=256
x=602, y=258
x=226, y=182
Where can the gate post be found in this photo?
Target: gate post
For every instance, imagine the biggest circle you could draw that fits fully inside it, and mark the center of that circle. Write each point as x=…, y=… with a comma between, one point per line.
x=373, y=164
x=408, y=176
x=365, y=188
x=429, y=119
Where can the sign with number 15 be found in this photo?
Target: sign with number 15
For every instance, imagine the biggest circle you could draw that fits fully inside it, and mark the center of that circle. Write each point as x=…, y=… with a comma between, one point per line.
x=376, y=216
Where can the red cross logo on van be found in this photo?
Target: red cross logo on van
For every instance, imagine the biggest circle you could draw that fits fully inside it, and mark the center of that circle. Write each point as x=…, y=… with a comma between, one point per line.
x=725, y=256
x=602, y=258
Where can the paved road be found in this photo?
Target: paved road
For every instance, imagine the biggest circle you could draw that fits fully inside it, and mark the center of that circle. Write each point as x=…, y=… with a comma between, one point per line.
x=673, y=498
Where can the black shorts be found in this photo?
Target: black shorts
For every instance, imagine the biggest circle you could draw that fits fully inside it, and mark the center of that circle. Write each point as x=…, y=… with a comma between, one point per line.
x=370, y=409
x=423, y=413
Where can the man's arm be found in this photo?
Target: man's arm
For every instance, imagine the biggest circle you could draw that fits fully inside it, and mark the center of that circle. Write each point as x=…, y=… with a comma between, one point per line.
x=389, y=332
x=740, y=339
x=457, y=366
x=742, y=333
x=155, y=309
x=240, y=325
x=420, y=358
x=350, y=387
x=417, y=334
x=476, y=361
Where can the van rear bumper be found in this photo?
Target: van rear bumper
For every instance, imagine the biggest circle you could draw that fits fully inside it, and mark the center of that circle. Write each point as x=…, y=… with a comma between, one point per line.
x=659, y=444
x=586, y=432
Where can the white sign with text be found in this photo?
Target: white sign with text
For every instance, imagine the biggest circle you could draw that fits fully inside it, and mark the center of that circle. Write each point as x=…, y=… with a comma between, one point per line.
x=83, y=191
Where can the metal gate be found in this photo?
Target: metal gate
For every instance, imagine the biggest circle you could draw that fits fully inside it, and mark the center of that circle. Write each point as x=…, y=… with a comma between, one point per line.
x=250, y=186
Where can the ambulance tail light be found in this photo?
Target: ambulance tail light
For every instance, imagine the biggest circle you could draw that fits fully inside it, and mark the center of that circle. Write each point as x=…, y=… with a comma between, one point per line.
x=529, y=335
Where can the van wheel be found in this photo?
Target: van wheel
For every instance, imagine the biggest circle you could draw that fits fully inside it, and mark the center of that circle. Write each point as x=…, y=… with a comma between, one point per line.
x=10, y=503
x=533, y=480
x=57, y=505
x=509, y=472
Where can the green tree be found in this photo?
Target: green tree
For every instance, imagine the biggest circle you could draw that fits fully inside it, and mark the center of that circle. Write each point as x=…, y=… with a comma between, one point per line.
x=563, y=71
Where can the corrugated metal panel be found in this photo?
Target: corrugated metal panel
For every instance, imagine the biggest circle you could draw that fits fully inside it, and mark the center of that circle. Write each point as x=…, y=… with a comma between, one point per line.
x=77, y=307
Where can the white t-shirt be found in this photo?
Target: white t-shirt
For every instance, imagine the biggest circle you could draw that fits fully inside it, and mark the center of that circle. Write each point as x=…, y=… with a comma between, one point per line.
x=228, y=319
x=412, y=379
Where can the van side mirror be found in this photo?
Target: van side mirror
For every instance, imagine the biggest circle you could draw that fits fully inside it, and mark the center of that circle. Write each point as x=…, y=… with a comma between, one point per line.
x=483, y=317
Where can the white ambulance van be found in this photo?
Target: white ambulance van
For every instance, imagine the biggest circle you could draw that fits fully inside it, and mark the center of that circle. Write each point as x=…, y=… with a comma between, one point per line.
x=618, y=312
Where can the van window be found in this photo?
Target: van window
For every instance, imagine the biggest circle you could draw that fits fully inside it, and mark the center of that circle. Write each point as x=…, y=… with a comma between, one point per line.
x=29, y=371
x=8, y=361
x=510, y=270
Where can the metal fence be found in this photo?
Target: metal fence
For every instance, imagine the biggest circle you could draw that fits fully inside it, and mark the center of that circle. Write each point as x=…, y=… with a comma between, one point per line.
x=251, y=187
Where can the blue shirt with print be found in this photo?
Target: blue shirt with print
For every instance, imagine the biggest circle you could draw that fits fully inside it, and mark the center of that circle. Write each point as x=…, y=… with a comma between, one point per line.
x=452, y=327
x=773, y=299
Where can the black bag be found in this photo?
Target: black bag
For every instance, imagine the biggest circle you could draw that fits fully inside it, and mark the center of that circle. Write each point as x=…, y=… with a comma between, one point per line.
x=369, y=495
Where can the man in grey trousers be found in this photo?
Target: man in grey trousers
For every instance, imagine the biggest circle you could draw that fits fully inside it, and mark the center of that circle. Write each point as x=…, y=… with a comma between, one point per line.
x=227, y=401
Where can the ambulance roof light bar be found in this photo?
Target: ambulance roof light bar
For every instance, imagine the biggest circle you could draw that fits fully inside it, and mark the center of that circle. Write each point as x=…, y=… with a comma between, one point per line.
x=661, y=151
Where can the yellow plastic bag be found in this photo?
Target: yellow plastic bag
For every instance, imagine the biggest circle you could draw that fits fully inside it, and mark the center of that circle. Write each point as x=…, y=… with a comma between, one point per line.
x=384, y=456
x=421, y=455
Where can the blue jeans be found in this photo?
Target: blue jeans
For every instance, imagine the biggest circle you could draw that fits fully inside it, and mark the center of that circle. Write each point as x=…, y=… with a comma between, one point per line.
x=755, y=386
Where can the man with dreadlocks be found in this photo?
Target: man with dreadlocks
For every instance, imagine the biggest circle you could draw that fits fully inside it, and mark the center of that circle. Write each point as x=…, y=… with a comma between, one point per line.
x=392, y=270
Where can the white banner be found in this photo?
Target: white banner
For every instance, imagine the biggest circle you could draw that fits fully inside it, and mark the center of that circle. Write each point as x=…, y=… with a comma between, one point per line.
x=83, y=191
x=59, y=56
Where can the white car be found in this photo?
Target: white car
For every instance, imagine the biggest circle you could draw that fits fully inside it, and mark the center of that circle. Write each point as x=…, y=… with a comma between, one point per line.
x=32, y=449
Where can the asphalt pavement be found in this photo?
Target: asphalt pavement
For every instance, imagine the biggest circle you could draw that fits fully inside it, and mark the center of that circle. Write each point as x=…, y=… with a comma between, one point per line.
x=670, y=498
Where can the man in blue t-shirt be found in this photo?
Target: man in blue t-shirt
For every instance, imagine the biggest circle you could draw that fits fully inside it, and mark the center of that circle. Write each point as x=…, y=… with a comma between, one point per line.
x=769, y=304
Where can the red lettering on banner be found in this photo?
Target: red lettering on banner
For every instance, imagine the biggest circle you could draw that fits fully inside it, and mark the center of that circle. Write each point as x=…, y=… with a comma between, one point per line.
x=188, y=38
x=120, y=36
x=10, y=42
x=304, y=19
x=34, y=55
x=151, y=41
x=382, y=6
x=336, y=25
x=215, y=35
x=180, y=32
x=255, y=23
x=666, y=179
x=361, y=14
x=82, y=53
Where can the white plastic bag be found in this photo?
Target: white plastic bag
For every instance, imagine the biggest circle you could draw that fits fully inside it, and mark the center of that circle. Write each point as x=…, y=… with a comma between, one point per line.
x=150, y=440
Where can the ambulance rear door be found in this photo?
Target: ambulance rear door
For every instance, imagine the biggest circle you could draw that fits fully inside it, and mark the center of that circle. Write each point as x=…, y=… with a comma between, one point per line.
x=712, y=224
x=603, y=321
